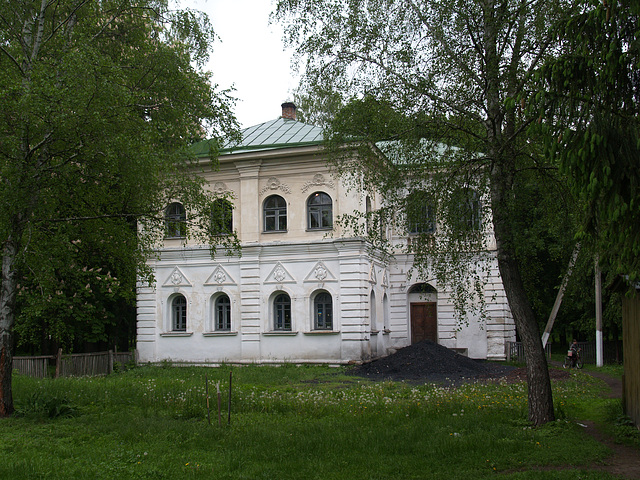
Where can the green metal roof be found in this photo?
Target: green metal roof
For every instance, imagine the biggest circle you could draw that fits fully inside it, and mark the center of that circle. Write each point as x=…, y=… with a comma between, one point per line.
x=279, y=133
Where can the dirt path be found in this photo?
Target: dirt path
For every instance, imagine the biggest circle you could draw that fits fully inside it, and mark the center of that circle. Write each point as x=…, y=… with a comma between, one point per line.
x=625, y=461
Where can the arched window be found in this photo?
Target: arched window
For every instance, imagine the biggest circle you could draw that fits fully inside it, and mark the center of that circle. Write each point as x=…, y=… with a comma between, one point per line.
x=323, y=312
x=179, y=314
x=275, y=214
x=373, y=312
x=422, y=288
x=222, y=217
x=385, y=311
x=175, y=221
x=282, y=312
x=421, y=213
x=319, y=211
x=223, y=313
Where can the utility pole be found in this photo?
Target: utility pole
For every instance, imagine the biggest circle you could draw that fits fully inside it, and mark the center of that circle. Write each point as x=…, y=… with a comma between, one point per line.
x=556, y=305
x=598, y=282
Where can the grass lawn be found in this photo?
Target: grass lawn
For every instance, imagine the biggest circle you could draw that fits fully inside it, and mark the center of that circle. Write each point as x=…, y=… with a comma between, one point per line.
x=292, y=422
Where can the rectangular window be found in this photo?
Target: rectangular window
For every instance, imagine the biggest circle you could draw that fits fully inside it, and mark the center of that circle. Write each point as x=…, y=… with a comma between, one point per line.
x=223, y=313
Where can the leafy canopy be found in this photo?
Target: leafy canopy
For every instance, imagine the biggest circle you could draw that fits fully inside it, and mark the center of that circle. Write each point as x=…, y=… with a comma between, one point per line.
x=100, y=102
x=590, y=102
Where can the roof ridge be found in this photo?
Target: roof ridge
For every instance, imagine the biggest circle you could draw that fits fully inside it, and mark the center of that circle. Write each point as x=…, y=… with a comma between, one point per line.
x=273, y=134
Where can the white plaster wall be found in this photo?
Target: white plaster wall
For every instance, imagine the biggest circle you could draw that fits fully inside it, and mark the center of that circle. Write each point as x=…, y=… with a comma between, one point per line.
x=250, y=284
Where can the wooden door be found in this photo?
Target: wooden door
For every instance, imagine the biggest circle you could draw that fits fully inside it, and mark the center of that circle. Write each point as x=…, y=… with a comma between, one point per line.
x=424, y=322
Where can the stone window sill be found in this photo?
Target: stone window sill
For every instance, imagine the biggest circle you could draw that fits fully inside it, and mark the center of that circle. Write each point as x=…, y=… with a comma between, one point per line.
x=219, y=334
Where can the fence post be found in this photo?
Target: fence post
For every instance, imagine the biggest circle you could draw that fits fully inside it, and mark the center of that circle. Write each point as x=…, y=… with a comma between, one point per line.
x=58, y=362
x=110, y=361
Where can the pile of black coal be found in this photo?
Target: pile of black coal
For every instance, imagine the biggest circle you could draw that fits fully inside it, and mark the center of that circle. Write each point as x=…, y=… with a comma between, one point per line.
x=428, y=362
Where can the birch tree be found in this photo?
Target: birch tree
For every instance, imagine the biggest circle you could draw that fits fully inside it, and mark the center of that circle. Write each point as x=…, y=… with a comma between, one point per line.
x=458, y=73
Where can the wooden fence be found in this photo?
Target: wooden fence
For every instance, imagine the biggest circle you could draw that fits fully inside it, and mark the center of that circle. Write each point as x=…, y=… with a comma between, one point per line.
x=33, y=366
x=631, y=333
x=77, y=364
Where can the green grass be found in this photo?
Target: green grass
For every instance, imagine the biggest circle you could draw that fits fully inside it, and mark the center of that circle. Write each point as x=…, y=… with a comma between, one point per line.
x=290, y=423
x=614, y=370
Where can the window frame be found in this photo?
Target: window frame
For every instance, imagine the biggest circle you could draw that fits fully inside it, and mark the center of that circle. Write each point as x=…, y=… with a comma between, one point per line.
x=472, y=208
x=179, y=313
x=421, y=218
x=277, y=213
x=220, y=224
x=319, y=300
x=222, y=313
x=322, y=213
x=282, y=321
x=175, y=221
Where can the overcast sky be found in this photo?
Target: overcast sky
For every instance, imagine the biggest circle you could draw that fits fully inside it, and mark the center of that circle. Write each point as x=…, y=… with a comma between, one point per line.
x=250, y=57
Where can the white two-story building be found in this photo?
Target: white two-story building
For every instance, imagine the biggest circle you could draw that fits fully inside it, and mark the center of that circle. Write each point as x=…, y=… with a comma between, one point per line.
x=301, y=291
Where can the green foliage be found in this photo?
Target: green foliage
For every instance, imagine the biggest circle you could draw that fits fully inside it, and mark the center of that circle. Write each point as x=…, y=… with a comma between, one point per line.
x=440, y=89
x=100, y=103
x=626, y=431
x=43, y=404
x=590, y=98
x=543, y=229
x=78, y=290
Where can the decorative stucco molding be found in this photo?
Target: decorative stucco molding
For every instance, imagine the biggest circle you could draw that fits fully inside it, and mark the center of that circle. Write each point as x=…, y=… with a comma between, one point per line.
x=220, y=277
x=320, y=274
x=176, y=279
x=318, y=180
x=220, y=188
x=279, y=275
x=220, y=334
x=176, y=334
x=373, y=277
x=274, y=184
x=385, y=278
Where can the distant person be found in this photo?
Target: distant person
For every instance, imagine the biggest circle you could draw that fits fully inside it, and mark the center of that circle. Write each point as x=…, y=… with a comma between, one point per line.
x=574, y=349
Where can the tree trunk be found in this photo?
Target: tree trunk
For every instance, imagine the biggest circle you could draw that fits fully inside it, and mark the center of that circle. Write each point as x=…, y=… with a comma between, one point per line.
x=500, y=127
x=8, y=292
x=539, y=384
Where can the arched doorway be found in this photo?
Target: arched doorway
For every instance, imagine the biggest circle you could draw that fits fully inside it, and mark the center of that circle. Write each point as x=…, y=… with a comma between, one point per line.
x=424, y=313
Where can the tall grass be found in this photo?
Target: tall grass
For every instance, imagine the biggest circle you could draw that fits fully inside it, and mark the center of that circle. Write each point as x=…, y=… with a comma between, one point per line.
x=289, y=422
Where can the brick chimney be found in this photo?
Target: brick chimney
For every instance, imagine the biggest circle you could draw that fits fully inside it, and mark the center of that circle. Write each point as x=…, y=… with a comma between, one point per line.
x=288, y=110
